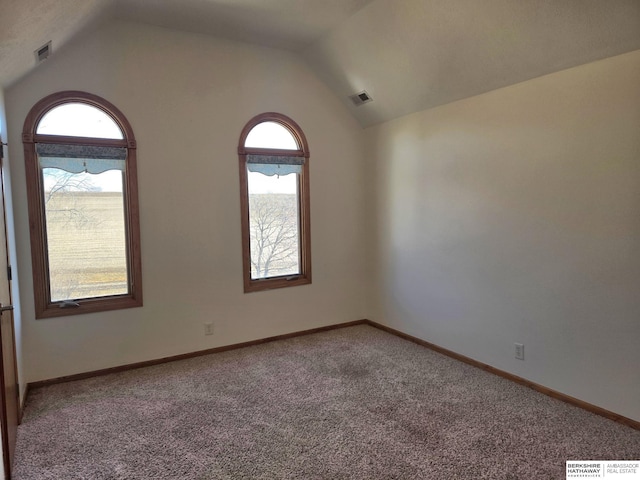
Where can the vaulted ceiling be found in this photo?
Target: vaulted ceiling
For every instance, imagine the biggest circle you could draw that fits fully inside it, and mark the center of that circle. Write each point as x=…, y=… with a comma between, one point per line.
x=409, y=55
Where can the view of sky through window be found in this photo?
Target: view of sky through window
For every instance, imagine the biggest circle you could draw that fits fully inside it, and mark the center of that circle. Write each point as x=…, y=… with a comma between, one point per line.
x=79, y=120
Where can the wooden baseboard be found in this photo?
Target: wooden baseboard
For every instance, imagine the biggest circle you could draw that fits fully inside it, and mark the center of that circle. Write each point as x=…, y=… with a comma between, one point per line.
x=184, y=356
x=514, y=378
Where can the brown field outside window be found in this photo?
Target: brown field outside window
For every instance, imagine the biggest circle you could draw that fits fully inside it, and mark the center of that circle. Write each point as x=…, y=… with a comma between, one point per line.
x=80, y=162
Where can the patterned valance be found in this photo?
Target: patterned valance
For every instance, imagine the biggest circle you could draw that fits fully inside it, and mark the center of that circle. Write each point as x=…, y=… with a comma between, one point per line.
x=81, y=158
x=271, y=165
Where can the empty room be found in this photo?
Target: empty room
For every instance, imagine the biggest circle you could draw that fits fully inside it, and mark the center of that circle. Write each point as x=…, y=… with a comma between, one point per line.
x=320, y=239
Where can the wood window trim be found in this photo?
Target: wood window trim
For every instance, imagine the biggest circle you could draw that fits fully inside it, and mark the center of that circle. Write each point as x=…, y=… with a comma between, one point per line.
x=44, y=307
x=304, y=277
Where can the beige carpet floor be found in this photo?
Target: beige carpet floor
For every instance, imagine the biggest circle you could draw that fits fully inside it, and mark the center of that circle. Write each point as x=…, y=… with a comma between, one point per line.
x=352, y=403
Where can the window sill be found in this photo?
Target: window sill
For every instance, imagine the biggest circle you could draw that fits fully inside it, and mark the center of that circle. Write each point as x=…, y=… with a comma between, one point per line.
x=276, y=282
x=93, y=305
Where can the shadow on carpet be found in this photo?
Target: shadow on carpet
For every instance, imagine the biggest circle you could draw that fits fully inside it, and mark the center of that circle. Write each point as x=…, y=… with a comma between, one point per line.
x=352, y=403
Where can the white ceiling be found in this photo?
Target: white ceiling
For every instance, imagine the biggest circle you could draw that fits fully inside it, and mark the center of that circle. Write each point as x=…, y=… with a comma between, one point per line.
x=26, y=25
x=415, y=54
x=408, y=54
x=288, y=24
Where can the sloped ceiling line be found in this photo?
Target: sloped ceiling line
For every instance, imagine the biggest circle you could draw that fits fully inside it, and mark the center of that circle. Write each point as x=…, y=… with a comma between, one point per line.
x=409, y=55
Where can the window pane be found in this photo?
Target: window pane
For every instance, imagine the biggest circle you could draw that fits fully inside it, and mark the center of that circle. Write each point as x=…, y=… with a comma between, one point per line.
x=271, y=135
x=79, y=120
x=86, y=238
x=274, y=225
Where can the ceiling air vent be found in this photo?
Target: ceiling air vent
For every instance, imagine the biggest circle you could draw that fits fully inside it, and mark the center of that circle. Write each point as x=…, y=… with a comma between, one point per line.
x=360, y=98
x=43, y=52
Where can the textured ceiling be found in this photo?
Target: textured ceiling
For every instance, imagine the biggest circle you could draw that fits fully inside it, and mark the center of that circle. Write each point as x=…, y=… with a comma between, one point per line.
x=415, y=54
x=408, y=54
x=288, y=24
x=26, y=25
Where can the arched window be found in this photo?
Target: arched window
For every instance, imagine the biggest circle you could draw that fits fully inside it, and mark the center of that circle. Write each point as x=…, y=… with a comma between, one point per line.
x=274, y=197
x=80, y=162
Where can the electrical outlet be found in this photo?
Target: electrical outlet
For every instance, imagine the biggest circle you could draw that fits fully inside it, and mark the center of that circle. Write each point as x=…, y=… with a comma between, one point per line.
x=208, y=328
x=519, y=351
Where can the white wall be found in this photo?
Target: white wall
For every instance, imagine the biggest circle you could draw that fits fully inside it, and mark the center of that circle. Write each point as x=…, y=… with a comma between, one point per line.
x=187, y=97
x=514, y=216
x=509, y=217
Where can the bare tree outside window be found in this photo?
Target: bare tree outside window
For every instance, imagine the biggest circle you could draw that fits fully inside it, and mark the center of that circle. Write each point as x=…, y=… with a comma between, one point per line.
x=60, y=184
x=274, y=234
x=274, y=198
